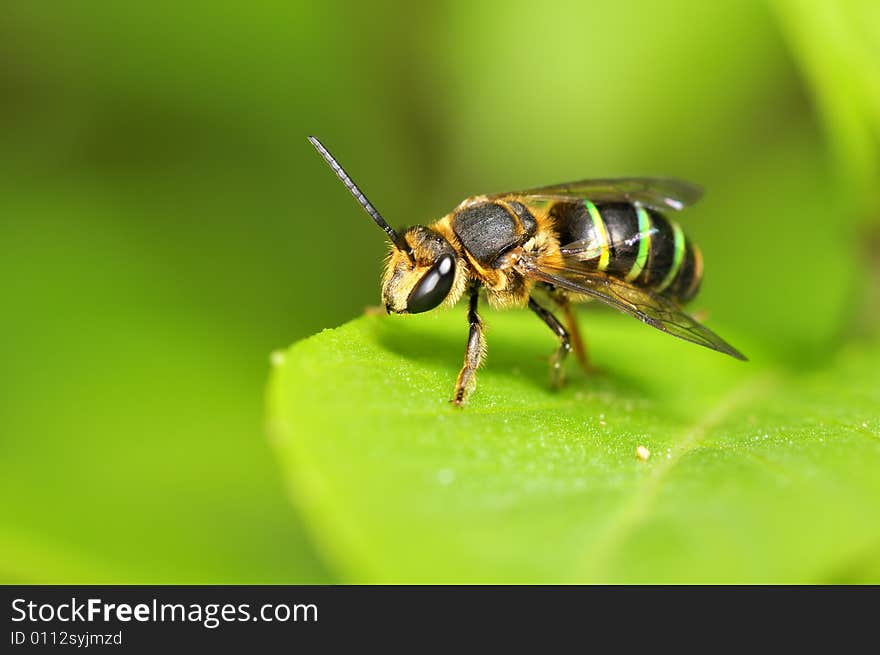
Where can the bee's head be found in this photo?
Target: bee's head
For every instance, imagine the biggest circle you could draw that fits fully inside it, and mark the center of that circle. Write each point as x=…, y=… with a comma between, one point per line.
x=422, y=270
x=420, y=278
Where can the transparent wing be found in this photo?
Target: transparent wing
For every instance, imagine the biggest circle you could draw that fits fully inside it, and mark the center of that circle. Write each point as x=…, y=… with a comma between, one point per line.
x=656, y=192
x=591, y=248
x=648, y=307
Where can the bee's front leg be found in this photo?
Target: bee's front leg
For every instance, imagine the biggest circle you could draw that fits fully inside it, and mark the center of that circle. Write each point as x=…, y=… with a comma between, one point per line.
x=556, y=360
x=473, y=356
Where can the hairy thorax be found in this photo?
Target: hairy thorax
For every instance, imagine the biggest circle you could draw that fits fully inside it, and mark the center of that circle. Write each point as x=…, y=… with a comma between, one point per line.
x=506, y=287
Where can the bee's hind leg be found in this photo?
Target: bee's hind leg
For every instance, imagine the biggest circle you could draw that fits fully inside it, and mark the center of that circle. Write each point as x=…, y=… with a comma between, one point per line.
x=577, y=342
x=557, y=376
x=473, y=356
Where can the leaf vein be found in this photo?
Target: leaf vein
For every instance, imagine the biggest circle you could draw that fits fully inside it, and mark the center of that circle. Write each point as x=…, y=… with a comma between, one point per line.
x=595, y=564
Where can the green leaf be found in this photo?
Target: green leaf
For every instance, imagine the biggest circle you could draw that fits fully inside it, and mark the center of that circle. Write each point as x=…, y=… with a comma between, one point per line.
x=756, y=474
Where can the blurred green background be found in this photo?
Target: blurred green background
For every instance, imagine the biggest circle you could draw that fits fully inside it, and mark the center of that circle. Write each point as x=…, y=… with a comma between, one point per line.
x=164, y=224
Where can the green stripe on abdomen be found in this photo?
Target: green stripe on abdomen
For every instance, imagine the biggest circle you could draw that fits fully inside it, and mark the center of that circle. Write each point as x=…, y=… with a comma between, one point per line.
x=601, y=234
x=677, y=257
x=644, y=237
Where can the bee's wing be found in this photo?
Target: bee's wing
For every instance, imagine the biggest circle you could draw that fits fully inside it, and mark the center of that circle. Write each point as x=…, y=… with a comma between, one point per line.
x=648, y=307
x=656, y=192
x=591, y=248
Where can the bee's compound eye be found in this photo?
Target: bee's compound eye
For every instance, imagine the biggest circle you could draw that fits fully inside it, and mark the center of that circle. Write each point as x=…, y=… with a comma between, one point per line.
x=433, y=287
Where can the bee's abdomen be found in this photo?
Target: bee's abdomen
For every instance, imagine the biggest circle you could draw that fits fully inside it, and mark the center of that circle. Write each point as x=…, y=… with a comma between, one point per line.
x=633, y=243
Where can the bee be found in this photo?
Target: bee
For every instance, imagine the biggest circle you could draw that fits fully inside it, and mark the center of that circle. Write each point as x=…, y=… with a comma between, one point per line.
x=602, y=239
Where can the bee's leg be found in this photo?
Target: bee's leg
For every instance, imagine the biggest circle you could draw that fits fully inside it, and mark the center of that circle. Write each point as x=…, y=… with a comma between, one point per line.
x=473, y=356
x=556, y=360
x=577, y=343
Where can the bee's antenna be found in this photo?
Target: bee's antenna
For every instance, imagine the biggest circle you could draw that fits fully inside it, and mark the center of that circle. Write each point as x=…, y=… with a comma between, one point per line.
x=398, y=241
